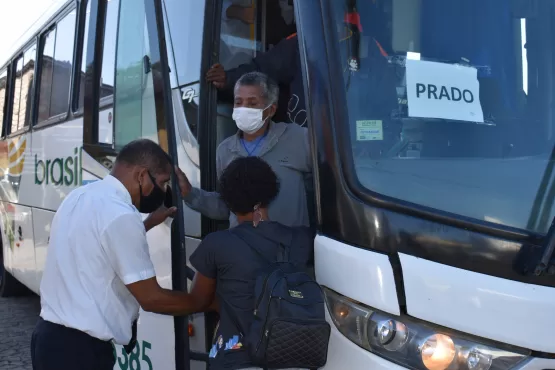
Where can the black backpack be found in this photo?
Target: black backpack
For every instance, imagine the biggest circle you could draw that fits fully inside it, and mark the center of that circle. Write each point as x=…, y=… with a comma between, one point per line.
x=289, y=329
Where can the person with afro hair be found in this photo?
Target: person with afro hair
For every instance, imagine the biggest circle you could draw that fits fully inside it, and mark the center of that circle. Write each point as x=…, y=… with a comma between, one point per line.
x=228, y=261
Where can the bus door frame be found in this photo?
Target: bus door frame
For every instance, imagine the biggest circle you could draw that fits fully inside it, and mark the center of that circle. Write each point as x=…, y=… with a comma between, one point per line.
x=166, y=135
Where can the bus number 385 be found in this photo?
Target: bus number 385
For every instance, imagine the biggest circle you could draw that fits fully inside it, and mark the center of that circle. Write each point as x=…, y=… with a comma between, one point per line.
x=136, y=358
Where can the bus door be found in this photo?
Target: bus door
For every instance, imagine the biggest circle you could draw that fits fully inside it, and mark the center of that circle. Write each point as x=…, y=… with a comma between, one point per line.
x=127, y=79
x=200, y=34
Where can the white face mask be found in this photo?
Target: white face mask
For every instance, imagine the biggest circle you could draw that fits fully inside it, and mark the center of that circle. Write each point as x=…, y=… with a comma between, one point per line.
x=248, y=120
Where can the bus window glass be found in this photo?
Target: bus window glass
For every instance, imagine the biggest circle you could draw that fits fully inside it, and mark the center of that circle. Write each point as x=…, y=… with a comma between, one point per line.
x=450, y=104
x=16, y=94
x=109, y=53
x=46, y=64
x=27, y=87
x=3, y=85
x=63, y=63
x=238, y=33
x=186, y=21
x=84, y=58
x=134, y=108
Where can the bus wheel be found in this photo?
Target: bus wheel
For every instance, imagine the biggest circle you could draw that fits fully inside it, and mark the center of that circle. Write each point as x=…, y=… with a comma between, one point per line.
x=9, y=286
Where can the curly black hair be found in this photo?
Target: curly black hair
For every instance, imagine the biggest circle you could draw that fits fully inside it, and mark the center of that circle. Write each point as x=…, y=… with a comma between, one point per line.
x=246, y=182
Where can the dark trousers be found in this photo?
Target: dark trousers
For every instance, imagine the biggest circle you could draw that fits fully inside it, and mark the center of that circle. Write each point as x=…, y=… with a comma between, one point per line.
x=56, y=347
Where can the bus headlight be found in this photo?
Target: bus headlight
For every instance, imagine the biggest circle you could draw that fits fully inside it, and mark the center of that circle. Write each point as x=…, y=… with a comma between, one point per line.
x=415, y=344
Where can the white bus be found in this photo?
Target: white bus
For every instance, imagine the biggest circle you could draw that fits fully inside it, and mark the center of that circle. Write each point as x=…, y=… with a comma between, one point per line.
x=434, y=208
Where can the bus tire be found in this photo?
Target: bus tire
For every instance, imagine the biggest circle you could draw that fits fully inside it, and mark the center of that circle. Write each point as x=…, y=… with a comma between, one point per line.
x=9, y=286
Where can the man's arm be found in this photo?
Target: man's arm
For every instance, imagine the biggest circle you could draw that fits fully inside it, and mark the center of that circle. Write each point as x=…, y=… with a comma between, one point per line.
x=158, y=216
x=208, y=203
x=153, y=298
x=124, y=242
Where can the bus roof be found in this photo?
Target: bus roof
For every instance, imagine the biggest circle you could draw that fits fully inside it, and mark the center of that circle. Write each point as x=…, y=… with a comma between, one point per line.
x=33, y=30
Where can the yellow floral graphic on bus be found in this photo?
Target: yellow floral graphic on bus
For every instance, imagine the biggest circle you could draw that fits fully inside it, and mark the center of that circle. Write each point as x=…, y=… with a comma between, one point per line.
x=16, y=149
x=16, y=161
x=12, y=162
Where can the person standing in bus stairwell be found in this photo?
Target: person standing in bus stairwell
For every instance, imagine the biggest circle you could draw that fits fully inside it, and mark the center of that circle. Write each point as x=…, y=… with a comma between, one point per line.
x=98, y=268
x=233, y=259
x=283, y=146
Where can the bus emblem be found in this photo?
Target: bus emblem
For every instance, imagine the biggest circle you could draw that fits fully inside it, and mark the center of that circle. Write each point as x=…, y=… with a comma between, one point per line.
x=189, y=95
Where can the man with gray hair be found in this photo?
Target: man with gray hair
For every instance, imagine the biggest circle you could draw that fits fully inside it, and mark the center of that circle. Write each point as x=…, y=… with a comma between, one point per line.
x=283, y=146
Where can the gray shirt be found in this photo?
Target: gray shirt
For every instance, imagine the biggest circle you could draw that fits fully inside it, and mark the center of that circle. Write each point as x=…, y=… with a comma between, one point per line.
x=286, y=150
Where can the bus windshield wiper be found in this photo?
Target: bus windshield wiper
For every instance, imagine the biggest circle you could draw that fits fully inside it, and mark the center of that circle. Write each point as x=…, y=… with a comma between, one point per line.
x=545, y=264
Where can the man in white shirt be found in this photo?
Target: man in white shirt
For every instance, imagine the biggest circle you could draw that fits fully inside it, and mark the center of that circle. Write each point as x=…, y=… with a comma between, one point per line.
x=98, y=269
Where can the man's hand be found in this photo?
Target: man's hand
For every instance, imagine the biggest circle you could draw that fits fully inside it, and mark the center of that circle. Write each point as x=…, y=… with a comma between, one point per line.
x=184, y=184
x=216, y=75
x=159, y=216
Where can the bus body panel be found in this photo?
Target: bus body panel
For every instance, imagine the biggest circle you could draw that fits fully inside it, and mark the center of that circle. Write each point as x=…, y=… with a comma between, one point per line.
x=503, y=310
x=188, y=157
x=538, y=363
x=53, y=168
x=22, y=248
x=42, y=222
x=360, y=274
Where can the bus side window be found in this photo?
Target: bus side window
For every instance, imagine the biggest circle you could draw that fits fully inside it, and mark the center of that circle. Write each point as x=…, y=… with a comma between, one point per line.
x=56, y=68
x=107, y=77
x=46, y=61
x=16, y=95
x=185, y=21
x=134, y=104
x=23, y=90
x=184, y=35
x=81, y=97
x=239, y=42
x=3, y=85
x=22, y=93
x=109, y=55
x=238, y=33
x=27, y=87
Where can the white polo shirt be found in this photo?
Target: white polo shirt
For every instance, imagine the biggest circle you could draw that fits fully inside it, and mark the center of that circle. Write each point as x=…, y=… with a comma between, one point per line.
x=97, y=246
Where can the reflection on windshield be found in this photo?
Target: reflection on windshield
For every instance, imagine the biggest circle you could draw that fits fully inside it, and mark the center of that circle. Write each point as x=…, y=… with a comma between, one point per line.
x=451, y=104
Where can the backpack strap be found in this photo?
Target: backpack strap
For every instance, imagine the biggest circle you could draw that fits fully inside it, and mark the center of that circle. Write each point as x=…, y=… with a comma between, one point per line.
x=222, y=299
x=260, y=255
x=282, y=255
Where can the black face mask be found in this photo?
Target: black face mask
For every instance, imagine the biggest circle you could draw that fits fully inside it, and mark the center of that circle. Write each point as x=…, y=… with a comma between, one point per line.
x=152, y=201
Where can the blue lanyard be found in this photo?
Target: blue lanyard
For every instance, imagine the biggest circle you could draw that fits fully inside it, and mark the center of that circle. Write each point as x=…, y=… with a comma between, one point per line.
x=259, y=140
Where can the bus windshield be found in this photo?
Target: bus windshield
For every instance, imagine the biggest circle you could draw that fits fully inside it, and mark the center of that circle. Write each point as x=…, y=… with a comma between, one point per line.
x=451, y=104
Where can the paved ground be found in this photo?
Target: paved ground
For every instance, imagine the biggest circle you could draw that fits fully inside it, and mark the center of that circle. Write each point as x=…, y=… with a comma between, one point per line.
x=18, y=317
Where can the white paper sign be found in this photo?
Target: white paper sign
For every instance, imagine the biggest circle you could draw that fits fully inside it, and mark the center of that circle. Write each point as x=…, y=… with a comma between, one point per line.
x=438, y=90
